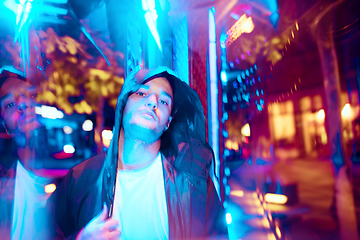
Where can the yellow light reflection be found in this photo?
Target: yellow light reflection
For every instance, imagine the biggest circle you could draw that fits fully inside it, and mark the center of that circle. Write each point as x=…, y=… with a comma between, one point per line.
x=266, y=223
x=243, y=25
x=106, y=137
x=237, y=193
x=275, y=198
x=324, y=139
x=50, y=188
x=345, y=113
x=260, y=211
x=278, y=232
x=245, y=130
x=261, y=197
x=232, y=145
x=271, y=236
x=297, y=26
x=321, y=115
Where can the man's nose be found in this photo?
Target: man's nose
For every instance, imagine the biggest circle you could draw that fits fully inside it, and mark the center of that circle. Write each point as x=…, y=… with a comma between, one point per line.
x=23, y=103
x=152, y=101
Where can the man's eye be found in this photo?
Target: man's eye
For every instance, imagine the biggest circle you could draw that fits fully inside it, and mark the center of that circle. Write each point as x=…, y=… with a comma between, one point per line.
x=163, y=102
x=140, y=94
x=9, y=105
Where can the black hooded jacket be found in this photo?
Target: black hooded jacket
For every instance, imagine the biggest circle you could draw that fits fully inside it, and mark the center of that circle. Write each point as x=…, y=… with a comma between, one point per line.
x=194, y=209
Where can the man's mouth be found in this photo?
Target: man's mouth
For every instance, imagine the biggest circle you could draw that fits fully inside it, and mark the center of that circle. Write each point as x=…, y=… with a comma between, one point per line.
x=151, y=114
x=27, y=118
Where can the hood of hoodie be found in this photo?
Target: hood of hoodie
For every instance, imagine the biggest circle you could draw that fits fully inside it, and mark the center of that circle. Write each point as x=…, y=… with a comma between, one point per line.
x=188, y=120
x=8, y=71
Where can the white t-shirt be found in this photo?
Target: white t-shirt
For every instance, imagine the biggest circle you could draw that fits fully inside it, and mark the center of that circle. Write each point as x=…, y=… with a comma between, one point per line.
x=29, y=221
x=140, y=205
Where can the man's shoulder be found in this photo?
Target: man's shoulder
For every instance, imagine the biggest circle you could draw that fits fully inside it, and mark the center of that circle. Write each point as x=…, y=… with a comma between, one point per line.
x=90, y=166
x=194, y=157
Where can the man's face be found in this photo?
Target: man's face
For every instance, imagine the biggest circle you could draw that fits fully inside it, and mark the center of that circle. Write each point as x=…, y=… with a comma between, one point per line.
x=18, y=101
x=150, y=107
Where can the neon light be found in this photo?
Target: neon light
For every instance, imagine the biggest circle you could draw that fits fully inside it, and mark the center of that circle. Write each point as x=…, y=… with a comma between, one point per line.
x=321, y=115
x=228, y=218
x=275, y=198
x=49, y=112
x=223, y=77
x=152, y=28
x=214, y=117
x=151, y=4
x=243, y=25
x=245, y=130
x=67, y=129
x=50, y=188
x=87, y=125
x=278, y=232
x=107, y=134
x=106, y=137
x=150, y=18
x=237, y=193
x=69, y=148
x=144, y=5
x=346, y=110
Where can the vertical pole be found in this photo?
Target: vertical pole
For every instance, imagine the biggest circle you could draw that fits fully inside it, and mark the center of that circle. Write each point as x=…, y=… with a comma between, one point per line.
x=213, y=112
x=344, y=199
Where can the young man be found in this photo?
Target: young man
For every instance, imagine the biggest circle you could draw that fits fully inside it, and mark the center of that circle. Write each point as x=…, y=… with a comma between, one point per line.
x=153, y=182
x=22, y=196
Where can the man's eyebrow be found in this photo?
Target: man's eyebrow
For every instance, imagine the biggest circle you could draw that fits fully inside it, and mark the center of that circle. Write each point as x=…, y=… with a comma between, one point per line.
x=146, y=87
x=166, y=94
x=4, y=97
x=31, y=88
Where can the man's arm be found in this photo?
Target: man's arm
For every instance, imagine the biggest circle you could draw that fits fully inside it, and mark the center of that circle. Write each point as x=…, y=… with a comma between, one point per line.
x=63, y=206
x=57, y=206
x=215, y=215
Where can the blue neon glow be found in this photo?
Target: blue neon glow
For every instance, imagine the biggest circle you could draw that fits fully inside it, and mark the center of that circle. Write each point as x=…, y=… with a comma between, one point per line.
x=214, y=95
x=151, y=24
x=222, y=40
x=235, y=84
x=228, y=218
x=234, y=98
x=274, y=19
x=225, y=99
x=243, y=75
x=227, y=190
x=224, y=180
x=150, y=18
x=227, y=171
x=226, y=135
x=223, y=77
x=11, y=5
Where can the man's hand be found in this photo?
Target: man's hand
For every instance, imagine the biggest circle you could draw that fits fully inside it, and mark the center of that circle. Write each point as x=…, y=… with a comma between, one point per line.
x=100, y=228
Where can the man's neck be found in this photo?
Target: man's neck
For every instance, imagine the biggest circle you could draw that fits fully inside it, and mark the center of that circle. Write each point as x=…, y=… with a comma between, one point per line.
x=27, y=158
x=135, y=154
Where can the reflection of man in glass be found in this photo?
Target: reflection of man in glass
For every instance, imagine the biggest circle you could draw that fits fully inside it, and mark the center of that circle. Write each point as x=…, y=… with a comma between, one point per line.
x=22, y=196
x=154, y=181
